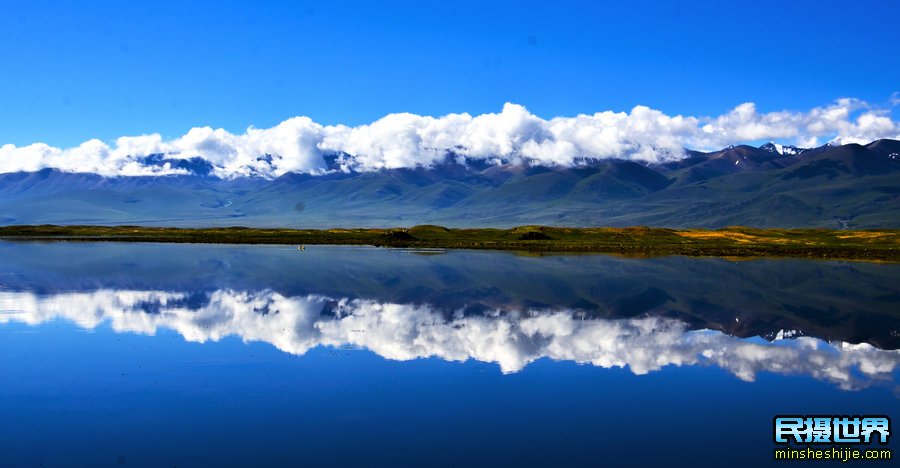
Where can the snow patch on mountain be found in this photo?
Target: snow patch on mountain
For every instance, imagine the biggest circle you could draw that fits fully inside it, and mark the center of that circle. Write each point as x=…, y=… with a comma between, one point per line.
x=783, y=150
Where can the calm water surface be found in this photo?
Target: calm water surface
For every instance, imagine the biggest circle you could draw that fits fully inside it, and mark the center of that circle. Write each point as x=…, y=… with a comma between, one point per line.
x=193, y=355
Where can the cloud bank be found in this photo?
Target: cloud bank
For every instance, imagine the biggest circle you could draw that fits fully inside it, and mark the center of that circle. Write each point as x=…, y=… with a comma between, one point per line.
x=404, y=332
x=514, y=135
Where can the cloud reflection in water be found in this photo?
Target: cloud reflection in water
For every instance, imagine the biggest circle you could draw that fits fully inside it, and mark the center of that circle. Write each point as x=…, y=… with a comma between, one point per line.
x=512, y=339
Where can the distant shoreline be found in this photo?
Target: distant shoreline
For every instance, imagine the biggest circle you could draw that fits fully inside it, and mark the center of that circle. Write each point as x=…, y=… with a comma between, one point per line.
x=877, y=245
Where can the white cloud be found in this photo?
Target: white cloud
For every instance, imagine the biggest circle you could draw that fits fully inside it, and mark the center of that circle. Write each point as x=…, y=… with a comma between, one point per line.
x=511, y=339
x=512, y=135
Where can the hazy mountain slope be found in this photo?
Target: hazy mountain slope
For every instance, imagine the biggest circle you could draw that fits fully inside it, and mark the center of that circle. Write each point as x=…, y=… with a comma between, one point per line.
x=833, y=186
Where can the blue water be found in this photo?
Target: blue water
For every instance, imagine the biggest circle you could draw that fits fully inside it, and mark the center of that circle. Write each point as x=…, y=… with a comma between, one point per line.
x=190, y=355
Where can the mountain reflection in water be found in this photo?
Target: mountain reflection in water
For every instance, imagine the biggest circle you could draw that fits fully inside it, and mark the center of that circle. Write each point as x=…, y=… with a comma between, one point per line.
x=510, y=338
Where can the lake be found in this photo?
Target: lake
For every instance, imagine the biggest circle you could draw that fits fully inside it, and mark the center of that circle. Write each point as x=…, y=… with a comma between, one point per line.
x=117, y=354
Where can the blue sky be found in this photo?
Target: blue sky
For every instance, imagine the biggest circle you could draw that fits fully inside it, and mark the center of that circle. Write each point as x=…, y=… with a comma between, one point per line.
x=70, y=71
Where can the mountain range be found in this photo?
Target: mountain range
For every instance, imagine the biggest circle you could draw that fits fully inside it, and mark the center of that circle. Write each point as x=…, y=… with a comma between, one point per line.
x=832, y=186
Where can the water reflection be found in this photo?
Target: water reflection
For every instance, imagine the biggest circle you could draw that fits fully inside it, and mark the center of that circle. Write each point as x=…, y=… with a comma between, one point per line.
x=511, y=338
x=835, y=301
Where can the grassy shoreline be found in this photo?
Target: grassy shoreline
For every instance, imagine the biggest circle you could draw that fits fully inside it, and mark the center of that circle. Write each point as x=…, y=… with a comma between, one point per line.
x=879, y=245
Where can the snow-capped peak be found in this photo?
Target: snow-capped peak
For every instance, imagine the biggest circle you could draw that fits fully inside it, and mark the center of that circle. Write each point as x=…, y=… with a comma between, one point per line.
x=784, y=150
x=787, y=334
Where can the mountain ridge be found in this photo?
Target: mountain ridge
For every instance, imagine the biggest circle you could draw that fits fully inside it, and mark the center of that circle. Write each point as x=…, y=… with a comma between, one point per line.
x=847, y=186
